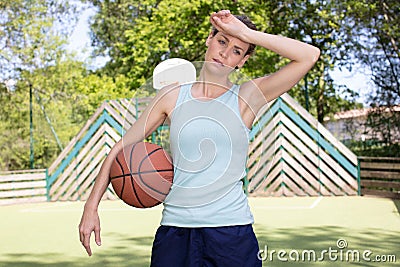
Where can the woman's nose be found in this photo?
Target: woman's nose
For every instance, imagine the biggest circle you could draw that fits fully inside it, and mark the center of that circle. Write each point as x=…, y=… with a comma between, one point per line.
x=223, y=53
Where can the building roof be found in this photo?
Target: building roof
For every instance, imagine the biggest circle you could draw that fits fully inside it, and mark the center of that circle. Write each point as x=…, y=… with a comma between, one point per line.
x=354, y=113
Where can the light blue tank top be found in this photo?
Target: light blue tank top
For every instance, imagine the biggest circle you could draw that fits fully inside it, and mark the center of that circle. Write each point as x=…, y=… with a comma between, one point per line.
x=209, y=145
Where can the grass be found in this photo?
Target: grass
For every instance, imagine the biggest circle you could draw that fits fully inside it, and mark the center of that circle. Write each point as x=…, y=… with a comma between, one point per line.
x=46, y=234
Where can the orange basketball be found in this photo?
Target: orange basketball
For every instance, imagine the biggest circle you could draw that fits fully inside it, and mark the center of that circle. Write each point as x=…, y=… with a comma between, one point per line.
x=141, y=174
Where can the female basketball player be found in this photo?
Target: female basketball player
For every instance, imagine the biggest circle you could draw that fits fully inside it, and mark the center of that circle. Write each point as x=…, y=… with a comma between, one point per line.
x=206, y=218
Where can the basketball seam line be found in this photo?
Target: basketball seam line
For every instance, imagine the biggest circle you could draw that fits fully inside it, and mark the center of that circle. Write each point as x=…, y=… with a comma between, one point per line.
x=140, y=176
x=133, y=185
x=123, y=181
x=142, y=172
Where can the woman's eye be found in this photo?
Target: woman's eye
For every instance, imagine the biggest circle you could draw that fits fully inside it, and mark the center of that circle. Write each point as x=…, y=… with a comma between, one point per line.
x=237, y=52
x=221, y=42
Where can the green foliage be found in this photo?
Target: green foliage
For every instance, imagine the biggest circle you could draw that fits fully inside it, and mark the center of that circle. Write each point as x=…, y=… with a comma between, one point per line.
x=92, y=90
x=317, y=23
x=137, y=35
x=52, y=88
x=28, y=35
x=14, y=128
x=166, y=29
x=32, y=40
x=69, y=95
x=383, y=122
x=374, y=148
x=108, y=28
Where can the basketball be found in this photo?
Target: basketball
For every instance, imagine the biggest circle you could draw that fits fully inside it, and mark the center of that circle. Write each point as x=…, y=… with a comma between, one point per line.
x=141, y=174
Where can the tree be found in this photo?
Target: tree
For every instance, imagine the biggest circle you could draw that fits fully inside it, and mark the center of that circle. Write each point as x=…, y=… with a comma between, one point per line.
x=65, y=95
x=318, y=23
x=166, y=29
x=32, y=37
x=53, y=97
x=154, y=30
x=108, y=28
x=372, y=28
x=32, y=34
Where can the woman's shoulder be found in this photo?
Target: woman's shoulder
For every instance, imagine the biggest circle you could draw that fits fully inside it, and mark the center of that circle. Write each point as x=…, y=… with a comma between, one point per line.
x=167, y=96
x=252, y=95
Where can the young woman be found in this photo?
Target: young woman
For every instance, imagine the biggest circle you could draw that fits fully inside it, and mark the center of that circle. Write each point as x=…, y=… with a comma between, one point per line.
x=206, y=218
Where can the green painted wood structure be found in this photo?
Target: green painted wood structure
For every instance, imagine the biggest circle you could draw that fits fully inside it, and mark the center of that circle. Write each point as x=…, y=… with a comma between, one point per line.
x=72, y=174
x=292, y=154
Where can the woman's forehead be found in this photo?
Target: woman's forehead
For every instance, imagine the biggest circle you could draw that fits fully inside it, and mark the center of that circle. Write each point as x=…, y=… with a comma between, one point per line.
x=231, y=39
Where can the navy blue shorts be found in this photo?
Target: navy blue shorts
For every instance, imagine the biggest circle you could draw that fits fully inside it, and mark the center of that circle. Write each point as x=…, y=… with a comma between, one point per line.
x=230, y=246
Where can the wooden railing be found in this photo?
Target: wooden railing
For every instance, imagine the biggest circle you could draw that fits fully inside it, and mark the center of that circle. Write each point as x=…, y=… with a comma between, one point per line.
x=380, y=176
x=23, y=186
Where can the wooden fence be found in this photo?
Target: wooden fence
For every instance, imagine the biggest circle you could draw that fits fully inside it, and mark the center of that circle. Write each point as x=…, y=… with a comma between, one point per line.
x=23, y=186
x=380, y=176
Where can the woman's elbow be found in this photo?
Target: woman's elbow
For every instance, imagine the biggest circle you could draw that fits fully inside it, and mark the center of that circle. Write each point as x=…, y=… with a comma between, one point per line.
x=315, y=52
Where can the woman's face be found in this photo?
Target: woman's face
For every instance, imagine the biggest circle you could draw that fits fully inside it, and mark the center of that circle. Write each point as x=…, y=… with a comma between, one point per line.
x=226, y=51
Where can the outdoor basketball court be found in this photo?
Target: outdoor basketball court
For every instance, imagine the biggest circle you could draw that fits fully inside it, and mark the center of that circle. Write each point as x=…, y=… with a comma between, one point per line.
x=308, y=231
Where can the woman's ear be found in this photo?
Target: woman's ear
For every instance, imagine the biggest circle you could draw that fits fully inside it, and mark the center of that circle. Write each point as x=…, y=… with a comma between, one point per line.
x=244, y=59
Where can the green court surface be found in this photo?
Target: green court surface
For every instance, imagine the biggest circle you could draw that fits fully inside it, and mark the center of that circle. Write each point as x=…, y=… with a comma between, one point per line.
x=290, y=231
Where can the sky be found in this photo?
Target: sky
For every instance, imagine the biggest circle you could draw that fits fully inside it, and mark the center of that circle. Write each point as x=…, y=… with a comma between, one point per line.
x=80, y=43
x=357, y=81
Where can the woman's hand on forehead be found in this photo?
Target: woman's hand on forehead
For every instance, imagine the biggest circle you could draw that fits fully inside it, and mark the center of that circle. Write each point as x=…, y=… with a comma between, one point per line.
x=225, y=22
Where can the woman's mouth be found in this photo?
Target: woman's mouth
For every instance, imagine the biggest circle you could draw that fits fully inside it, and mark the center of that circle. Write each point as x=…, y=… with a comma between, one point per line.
x=218, y=62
